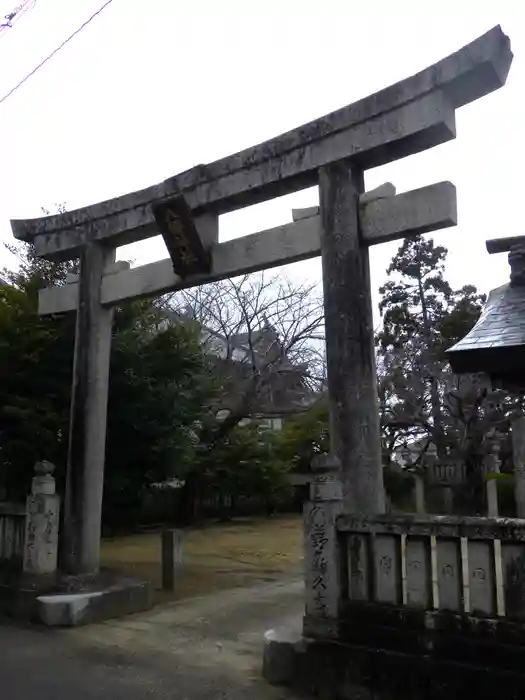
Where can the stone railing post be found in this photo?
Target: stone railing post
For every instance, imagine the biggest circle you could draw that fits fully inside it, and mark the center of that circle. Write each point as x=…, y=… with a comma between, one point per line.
x=323, y=559
x=491, y=464
x=419, y=493
x=41, y=531
x=518, y=456
x=418, y=489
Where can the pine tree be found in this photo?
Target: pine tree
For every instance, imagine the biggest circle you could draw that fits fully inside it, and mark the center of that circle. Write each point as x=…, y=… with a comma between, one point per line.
x=422, y=316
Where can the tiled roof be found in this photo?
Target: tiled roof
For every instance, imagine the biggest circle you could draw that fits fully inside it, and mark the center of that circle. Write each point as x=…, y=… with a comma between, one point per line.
x=496, y=344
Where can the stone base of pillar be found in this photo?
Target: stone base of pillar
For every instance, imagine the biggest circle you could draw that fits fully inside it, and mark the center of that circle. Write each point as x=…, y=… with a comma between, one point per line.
x=343, y=671
x=19, y=592
x=69, y=601
x=84, y=599
x=279, y=657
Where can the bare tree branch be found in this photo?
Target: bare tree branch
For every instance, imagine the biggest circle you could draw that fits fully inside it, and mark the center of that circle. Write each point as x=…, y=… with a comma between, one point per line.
x=268, y=332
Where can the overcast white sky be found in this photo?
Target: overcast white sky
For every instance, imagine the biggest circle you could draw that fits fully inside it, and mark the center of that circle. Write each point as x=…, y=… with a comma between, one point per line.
x=153, y=87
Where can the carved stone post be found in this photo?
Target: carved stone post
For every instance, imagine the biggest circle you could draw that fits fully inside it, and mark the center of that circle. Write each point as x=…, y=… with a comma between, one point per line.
x=349, y=328
x=323, y=558
x=518, y=452
x=41, y=532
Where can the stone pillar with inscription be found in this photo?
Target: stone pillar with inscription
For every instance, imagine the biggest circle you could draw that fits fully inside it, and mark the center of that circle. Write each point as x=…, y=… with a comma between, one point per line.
x=323, y=560
x=41, y=531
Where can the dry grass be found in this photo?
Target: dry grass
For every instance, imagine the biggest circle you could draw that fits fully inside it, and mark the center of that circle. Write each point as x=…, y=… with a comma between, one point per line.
x=215, y=556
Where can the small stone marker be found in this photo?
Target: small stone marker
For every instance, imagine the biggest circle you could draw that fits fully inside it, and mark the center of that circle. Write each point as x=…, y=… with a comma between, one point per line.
x=172, y=551
x=41, y=533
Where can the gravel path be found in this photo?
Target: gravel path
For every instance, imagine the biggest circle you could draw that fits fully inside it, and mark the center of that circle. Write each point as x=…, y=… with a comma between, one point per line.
x=207, y=648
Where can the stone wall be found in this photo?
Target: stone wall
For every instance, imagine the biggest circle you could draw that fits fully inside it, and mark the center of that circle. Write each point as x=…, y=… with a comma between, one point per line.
x=483, y=660
x=406, y=607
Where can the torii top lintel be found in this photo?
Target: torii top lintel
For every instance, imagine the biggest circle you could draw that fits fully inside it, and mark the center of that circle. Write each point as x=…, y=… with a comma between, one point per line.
x=415, y=114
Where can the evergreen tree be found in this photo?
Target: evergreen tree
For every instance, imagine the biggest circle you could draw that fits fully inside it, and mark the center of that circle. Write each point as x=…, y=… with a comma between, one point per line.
x=422, y=317
x=159, y=384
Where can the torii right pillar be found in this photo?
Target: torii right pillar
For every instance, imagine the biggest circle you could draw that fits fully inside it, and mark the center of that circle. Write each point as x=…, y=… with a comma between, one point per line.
x=352, y=383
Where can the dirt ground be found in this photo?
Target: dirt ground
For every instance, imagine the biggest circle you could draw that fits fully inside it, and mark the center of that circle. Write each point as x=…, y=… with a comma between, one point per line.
x=216, y=556
x=203, y=648
x=204, y=643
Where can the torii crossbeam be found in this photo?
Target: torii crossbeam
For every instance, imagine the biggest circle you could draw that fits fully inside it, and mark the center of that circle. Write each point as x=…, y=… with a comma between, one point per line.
x=333, y=152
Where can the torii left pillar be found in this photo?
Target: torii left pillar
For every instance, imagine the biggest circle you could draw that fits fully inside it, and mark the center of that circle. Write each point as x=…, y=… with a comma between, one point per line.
x=87, y=425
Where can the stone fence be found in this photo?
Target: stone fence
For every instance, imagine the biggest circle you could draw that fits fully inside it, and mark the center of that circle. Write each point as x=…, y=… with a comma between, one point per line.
x=474, y=566
x=446, y=474
x=29, y=532
x=397, y=606
x=12, y=533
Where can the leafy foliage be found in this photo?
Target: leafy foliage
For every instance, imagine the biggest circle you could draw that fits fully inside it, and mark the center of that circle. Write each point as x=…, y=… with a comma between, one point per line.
x=159, y=384
x=158, y=388
x=163, y=397
x=246, y=462
x=265, y=334
x=305, y=436
x=36, y=357
x=415, y=301
x=421, y=402
x=422, y=317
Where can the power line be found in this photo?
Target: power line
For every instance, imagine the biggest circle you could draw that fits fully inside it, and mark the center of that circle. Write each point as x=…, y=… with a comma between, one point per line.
x=53, y=53
x=12, y=18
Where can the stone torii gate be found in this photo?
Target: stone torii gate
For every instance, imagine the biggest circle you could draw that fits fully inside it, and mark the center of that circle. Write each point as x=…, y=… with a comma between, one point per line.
x=333, y=152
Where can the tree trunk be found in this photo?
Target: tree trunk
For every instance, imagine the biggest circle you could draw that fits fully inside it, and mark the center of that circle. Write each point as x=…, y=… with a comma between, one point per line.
x=435, y=402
